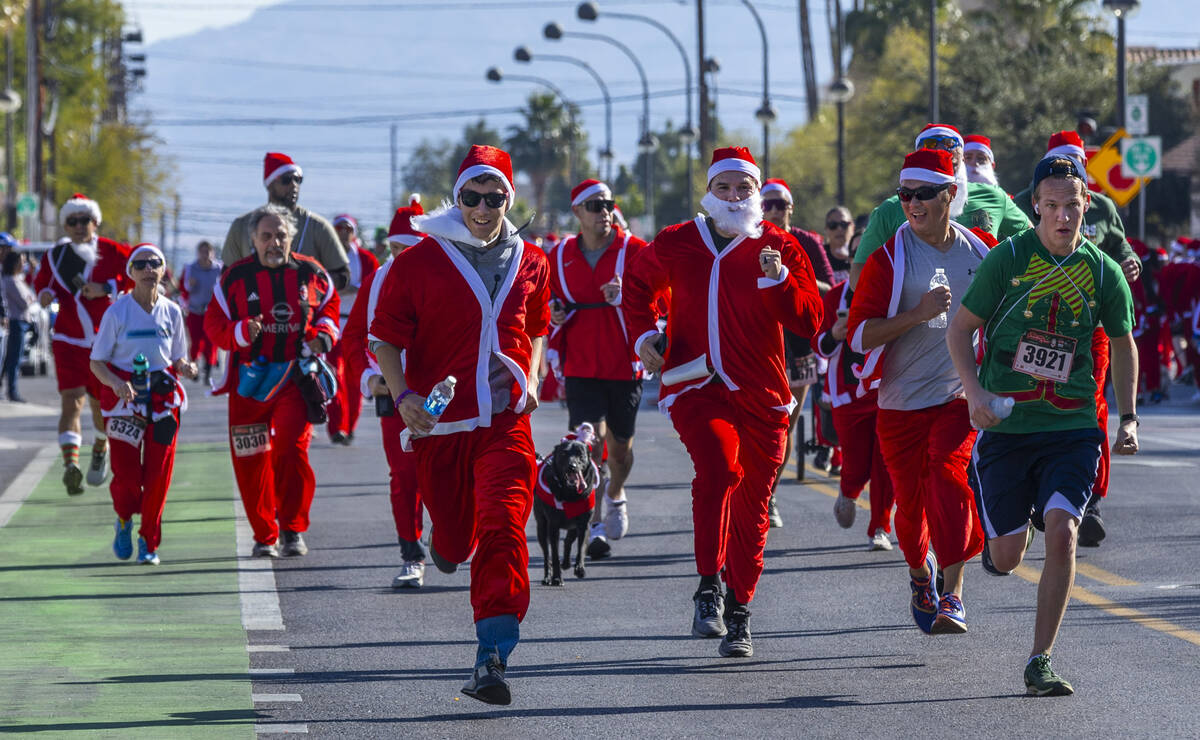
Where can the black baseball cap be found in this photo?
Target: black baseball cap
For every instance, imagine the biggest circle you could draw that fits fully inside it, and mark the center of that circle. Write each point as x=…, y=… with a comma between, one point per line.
x=1055, y=164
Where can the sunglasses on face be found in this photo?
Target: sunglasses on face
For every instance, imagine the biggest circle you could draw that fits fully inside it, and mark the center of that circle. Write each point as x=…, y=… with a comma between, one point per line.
x=146, y=264
x=926, y=192
x=595, y=206
x=775, y=204
x=470, y=198
x=940, y=142
x=833, y=225
x=77, y=221
x=290, y=178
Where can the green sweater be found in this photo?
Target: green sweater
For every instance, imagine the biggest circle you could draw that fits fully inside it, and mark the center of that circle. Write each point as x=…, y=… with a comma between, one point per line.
x=1102, y=224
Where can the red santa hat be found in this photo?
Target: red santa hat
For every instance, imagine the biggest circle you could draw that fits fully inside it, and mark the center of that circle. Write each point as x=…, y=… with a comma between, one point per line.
x=79, y=203
x=928, y=165
x=345, y=218
x=776, y=186
x=979, y=143
x=276, y=165
x=142, y=252
x=619, y=218
x=938, y=129
x=1068, y=144
x=402, y=230
x=587, y=189
x=733, y=159
x=486, y=160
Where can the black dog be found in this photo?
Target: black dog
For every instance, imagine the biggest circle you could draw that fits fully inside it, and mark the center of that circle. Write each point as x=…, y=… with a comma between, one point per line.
x=564, y=496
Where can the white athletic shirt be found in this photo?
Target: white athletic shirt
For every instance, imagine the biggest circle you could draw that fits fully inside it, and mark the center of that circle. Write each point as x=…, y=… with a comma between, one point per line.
x=126, y=329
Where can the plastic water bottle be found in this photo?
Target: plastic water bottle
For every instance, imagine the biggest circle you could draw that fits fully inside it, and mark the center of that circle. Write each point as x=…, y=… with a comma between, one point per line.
x=939, y=278
x=1002, y=406
x=439, y=398
x=253, y=377
x=141, y=381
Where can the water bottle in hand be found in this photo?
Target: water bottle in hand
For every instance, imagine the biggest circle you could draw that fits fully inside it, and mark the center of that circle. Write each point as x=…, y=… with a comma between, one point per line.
x=439, y=398
x=939, y=278
x=1002, y=406
x=141, y=381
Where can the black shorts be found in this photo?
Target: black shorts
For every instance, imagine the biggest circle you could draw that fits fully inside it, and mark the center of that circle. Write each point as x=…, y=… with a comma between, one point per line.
x=1016, y=474
x=596, y=400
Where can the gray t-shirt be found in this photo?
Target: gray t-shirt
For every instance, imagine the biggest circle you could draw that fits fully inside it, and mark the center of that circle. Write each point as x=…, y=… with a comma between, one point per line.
x=492, y=265
x=200, y=291
x=917, y=371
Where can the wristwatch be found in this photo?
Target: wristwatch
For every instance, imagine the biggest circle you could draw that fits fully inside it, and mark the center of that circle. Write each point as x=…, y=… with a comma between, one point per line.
x=1131, y=417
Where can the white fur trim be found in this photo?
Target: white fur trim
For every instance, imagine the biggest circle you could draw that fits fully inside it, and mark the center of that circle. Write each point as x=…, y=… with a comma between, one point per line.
x=975, y=146
x=937, y=131
x=143, y=249
x=279, y=171
x=1067, y=150
x=734, y=165
x=447, y=222
x=766, y=282
x=408, y=240
x=776, y=187
x=476, y=170
x=593, y=190
x=924, y=175
x=79, y=205
x=239, y=334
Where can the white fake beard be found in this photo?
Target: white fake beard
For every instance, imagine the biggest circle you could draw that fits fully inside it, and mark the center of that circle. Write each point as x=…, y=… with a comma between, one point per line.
x=959, y=204
x=982, y=173
x=87, y=251
x=743, y=217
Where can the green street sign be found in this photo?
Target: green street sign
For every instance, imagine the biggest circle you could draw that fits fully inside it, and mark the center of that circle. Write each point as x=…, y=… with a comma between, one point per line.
x=1141, y=156
x=27, y=204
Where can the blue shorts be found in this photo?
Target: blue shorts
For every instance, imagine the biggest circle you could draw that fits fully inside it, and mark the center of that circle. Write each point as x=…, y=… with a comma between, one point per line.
x=1016, y=474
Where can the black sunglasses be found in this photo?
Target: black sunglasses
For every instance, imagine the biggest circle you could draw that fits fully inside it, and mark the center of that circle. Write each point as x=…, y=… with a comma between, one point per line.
x=925, y=192
x=146, y=264
x=831, y=225
x=289, y=178
x=470, y=198
x=595, y=206
x=775, y=204
x=78, y=220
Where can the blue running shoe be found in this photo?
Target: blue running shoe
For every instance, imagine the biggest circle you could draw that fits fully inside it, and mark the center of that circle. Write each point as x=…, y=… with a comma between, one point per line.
x=145, y=557
x=925, y=597
x=123, y=542
x=951, y=616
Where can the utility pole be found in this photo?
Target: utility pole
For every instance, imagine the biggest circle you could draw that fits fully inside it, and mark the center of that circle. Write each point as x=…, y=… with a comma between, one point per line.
x=33, y=115
x=10, y=154
x=175, y=229
x=935, y=114
x=395, y=128
x=806, y=61
x=706, y=132
x=162, y=226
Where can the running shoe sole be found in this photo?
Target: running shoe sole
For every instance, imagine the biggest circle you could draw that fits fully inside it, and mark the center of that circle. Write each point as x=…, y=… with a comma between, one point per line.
x=73, y=480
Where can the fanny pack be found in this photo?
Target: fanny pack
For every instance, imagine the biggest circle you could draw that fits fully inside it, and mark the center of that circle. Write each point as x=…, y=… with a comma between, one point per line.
x=318, y=385
x=263, y=381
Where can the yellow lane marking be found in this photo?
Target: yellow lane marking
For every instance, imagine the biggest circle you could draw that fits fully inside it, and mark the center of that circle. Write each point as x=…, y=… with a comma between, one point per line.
x=1117, y=610
x=1101, y=575
x=825, y=486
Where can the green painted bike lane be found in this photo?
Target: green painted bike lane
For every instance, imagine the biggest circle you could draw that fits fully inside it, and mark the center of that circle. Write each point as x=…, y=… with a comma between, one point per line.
x=90, y=644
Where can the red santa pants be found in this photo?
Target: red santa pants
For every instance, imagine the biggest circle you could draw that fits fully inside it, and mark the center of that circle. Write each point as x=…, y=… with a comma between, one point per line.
x=736, y=452
x=927, y=452
x=1149, y=354
x=402, y=475
x=1100, y=373
x=199, y=345
x=484, y=495
x=141, y=477
x=862, y=461
x=277, y=483
x=345, y=407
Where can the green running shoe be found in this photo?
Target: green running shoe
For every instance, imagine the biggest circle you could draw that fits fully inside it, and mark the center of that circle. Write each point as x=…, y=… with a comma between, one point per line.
x=1041, y=680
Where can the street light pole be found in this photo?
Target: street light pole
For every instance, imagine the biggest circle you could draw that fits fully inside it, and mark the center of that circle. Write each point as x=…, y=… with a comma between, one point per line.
x=934, y=114
x=495, y=74
x=588, y=11
x=523, y=55
x=766, y=114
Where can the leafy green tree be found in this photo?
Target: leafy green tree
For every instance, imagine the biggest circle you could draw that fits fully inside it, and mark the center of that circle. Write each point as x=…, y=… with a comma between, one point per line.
x=432, y=167
x=542, y=145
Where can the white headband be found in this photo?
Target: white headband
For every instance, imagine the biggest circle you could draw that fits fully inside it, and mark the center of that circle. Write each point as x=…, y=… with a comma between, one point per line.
x=773, y=187
x=732, y=164
x=975, y=146
x=592, y=190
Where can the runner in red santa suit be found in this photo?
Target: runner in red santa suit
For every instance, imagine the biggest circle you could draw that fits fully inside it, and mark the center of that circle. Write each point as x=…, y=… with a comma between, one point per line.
x=923, y=427
x=362, y=370
x=347, y=404
x=473, y=277
x=269, y=310
x=855, y=408
x=83, y=272
x=603, y=376
x=143, y=422
x=735, y=282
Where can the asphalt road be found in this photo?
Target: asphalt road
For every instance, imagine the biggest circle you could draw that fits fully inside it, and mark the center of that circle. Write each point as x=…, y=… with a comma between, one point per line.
x=836, y=653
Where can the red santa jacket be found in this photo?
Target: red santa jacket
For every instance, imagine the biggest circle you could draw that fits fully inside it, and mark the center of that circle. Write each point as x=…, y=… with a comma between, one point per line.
x=63, y=272
x=360, y=362
x=842, y=382
x=723, y=307
x=592, y=342
x=433, y=306
x=1179, y=291
x=882, y=282
x=363, y=265
x=295, y=303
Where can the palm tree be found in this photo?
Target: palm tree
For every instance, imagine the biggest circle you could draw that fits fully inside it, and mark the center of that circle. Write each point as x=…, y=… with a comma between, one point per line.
x=539, y=146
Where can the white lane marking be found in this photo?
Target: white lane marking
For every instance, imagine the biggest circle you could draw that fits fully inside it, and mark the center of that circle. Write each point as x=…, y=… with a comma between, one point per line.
x=8, y=444
x=256, y=580
x=274, y=698
x=23, y=484
x=267, y=648
x=1119, y=460
x=272, y=671
x=1169, y=442
x=20, y=410
x=280, y=729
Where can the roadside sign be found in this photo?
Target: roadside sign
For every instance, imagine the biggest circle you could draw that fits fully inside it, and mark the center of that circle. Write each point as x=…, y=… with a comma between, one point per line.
x=1137, y=115
x=26, y=204
x=1105, y=168
x=1141, y=157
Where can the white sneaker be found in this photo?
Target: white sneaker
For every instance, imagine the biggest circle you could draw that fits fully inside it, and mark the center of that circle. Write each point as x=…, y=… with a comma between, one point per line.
x=844, y=510
x=412, y=575
x=97, y=473
x=880, y=541
x=616, y=521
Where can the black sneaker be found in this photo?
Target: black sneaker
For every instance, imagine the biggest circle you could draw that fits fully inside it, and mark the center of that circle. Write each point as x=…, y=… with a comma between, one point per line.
x=1091, y=528
x=821, y=459
x=293, y=544
x=442, y=564
x=707, y=620
x=72, y=479
x=338, y=438
x=487, y=683
x=737, y=642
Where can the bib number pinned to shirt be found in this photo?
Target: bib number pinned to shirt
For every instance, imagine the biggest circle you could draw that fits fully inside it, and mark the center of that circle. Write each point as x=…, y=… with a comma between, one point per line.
x=1045, y=356
x=250, y=439
x=127, y=429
